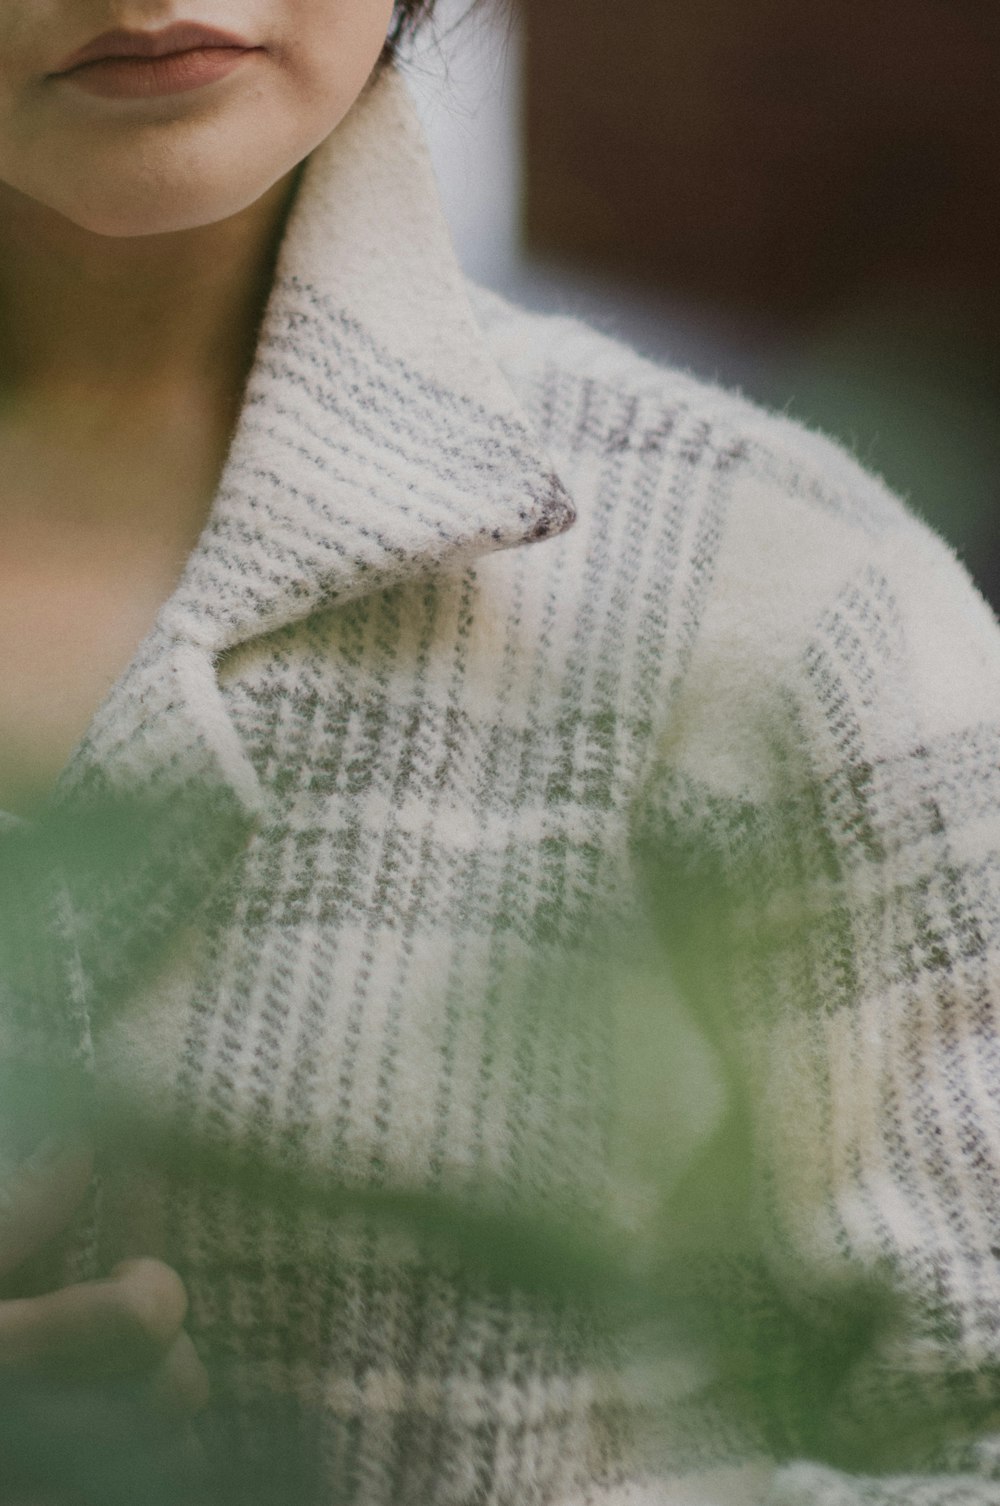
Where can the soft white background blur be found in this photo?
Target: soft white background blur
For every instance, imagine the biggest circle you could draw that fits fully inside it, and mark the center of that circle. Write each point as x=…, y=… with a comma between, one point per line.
x=466, y=79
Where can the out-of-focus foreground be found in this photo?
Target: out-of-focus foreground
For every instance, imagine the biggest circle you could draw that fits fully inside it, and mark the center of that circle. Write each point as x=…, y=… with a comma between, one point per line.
x=797, y=200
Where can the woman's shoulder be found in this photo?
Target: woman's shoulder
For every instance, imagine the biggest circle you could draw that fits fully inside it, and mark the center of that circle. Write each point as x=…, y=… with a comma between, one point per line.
x=550, y=359
x=792, y=511
x=774, y=545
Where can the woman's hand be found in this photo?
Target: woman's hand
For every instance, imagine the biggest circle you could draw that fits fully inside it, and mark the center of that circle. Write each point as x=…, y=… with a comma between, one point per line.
x=106, y=1360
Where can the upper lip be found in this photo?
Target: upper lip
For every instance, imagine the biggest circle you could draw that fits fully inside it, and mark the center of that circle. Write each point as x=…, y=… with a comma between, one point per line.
x=182, y=36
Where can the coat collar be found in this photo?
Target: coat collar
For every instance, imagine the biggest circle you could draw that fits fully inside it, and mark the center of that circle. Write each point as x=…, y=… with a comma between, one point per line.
x=378, y=437
x=378, y=440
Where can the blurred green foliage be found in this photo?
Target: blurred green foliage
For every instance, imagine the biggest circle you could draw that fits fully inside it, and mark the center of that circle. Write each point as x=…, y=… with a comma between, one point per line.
x=673, y=1269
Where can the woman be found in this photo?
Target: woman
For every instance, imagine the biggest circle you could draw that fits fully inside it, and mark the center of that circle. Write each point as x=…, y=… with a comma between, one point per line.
x=455, y=614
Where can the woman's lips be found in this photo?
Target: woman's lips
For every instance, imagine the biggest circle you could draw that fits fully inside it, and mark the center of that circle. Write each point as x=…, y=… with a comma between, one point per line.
x=142, y=64
x=145, y=78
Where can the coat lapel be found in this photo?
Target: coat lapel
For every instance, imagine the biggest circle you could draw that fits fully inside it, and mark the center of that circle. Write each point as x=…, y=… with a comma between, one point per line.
x=378, y=440
x=378, y=437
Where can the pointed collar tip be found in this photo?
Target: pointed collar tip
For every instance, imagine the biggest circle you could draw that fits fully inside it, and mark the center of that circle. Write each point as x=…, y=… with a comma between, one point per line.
x=553, y=513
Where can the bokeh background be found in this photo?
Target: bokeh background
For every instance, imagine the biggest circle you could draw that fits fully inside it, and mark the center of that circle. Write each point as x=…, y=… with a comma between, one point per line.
x=797, y=199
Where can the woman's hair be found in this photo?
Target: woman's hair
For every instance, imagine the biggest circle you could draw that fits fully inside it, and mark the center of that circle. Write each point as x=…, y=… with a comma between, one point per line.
x=405, y=19
x=409, y=15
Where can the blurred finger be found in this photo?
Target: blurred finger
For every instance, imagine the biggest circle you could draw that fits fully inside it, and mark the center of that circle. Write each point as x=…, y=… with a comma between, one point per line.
x=97, y=1329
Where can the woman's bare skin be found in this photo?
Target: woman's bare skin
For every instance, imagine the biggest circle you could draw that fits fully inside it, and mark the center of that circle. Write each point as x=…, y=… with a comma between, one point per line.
x=110, y=454
x=83, y=571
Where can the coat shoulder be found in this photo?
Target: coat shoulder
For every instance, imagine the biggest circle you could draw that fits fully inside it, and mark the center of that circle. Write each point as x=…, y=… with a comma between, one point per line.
x=767, y=537
x=592, y=393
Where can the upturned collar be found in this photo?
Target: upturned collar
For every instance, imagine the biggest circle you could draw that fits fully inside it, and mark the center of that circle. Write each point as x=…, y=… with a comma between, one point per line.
x=378, y=441
x=378, y=437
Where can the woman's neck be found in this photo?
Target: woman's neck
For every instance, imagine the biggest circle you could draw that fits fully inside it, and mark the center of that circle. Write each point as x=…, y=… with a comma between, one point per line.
x=129, y=320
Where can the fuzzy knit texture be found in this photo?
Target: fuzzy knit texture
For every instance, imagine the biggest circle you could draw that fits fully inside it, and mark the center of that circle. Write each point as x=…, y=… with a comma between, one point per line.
x=488, y=618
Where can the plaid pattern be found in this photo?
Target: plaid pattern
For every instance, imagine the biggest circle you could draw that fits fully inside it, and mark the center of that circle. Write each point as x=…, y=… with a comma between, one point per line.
x=437, y=754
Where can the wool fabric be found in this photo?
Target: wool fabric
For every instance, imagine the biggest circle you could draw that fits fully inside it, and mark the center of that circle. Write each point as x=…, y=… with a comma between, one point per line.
x=489, y=616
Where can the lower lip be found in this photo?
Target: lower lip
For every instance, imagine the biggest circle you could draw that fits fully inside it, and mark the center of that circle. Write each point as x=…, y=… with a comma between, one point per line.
x=147, y=78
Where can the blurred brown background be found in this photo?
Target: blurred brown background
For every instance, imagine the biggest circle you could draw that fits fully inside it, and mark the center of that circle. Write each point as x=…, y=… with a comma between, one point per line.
x=778, y=157
x=796, y=197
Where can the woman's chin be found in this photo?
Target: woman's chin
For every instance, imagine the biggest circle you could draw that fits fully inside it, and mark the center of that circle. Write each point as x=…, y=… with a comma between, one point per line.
x=144, y=212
